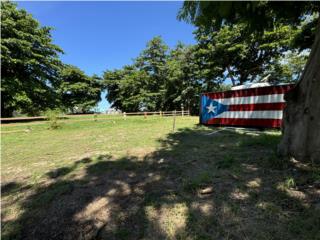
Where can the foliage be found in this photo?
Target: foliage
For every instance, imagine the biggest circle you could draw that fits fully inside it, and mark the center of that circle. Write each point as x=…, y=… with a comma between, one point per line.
x=288, y=68
x=29, y=61
x=126, y=89
x=152, y=64
x=183, y=84
x=159, y=80
x=53, y=117
x=165, y=80
x=140, y=86
x=259, y=15
x=33, y=77
x=79, y=92
x=232, y=53
x=306, y=35
x=290, y=182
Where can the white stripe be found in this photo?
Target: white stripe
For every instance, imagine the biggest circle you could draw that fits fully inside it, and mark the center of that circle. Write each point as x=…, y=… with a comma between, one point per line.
x=273, y=98
x=251, y=114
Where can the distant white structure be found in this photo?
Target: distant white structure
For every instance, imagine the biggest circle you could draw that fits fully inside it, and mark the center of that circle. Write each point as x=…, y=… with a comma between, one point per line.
x=113, y=111
x=256, y=85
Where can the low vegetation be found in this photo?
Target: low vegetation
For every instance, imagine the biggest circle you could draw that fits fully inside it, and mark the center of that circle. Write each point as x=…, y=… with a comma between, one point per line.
x=136, y=179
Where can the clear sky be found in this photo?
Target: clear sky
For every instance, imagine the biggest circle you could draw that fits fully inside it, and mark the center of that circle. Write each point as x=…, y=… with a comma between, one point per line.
x=97, y=36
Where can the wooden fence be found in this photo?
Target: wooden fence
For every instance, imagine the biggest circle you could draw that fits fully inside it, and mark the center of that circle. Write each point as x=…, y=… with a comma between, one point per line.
x=98, y=116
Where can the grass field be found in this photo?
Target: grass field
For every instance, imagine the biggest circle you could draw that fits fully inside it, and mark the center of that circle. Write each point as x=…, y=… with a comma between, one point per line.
x=137, y=179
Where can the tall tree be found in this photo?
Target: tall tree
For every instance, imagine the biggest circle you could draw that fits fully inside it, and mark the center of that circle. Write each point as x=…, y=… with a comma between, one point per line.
x=128, y=89
x=79, y=92
x=29, y=61
x=152, y=60
x=140, y=86
x=159, y=80
x=183, y=82
x=301, y=129
x=112, y=81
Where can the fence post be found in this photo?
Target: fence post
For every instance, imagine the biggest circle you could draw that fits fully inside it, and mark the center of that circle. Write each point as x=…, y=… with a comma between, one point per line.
x=160, y=113
x=174, y=120
x=124, y=115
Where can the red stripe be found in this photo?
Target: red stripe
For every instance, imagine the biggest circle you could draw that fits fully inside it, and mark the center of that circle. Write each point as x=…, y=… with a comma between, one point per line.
x=257, y=106
x=251, y=122
x=251, y=92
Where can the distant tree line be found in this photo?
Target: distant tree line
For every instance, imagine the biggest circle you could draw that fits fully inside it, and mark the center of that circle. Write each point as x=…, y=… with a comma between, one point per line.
x=34, y=79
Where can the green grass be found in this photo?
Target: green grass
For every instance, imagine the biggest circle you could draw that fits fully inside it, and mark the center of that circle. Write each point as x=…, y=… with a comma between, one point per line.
x=32, y=153
x=136, y=179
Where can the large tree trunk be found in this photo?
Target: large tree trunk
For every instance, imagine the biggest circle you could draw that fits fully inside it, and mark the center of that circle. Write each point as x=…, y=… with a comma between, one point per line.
x=301, y=119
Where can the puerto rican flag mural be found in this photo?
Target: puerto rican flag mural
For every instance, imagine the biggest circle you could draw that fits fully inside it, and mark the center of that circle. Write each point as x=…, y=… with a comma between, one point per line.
x=250, y=107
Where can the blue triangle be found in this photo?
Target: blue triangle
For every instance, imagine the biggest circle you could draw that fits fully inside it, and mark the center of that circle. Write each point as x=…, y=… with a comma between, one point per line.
x=211, y=108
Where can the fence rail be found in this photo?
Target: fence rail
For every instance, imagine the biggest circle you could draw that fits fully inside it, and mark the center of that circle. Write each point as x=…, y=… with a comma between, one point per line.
x=101, y=116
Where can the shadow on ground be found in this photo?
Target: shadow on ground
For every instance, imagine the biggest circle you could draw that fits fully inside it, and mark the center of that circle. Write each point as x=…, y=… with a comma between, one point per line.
x=227, y=185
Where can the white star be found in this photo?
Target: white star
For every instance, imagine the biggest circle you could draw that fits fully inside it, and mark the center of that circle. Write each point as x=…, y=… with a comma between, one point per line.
x=211, y=108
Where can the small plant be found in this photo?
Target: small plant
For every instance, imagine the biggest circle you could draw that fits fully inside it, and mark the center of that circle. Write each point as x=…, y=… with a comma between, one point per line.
x=290, y=182
x=53, y=117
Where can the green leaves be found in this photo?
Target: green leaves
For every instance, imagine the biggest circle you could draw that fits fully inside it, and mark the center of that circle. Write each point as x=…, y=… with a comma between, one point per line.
x=79, y=92
x=157, y=80
x=258, y=16
x=140, y=86
x=232, y=52
x=30, y=63
x=33, y=77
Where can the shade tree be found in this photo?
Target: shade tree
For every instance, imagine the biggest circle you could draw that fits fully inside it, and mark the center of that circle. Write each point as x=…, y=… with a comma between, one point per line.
x=301, y=128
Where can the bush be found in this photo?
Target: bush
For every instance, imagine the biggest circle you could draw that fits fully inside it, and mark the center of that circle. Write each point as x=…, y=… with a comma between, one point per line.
x=53, y=117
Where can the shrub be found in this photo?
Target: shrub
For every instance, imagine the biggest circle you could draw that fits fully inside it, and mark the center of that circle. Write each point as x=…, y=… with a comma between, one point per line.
x=53, y=117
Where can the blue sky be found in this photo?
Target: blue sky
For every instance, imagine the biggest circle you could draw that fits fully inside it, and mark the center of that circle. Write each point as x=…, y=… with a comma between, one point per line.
x=97, y=36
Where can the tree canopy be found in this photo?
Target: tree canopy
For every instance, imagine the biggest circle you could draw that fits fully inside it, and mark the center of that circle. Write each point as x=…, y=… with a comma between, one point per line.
x=158, y=79
x=231, y=52
x=79, y=92
x=30, y=62
x=257, y=15
x=33, y=77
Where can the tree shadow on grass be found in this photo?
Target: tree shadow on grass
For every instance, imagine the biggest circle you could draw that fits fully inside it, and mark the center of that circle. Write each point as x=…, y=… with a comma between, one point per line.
x=195, y=186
